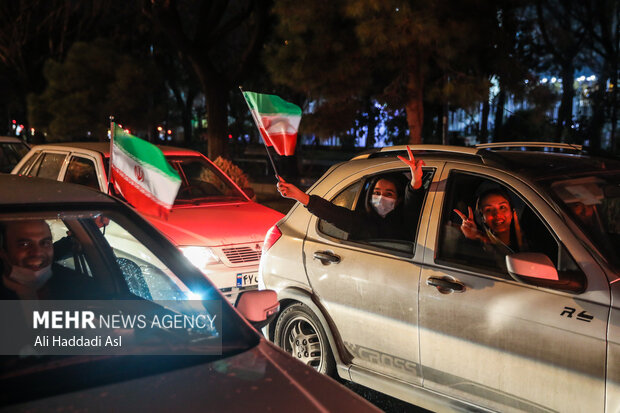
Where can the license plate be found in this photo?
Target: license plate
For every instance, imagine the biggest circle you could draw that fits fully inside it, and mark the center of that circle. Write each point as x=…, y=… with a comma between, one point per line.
x=247, y=279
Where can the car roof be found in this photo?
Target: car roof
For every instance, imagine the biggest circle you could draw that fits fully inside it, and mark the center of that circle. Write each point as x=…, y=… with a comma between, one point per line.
x=540, y=166
x=104, y=148
x=10, y=139
x=535, y=160
x=22, y=190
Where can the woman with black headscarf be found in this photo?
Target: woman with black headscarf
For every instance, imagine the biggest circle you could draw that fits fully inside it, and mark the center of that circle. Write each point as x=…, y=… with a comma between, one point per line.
x=501, y=232
x=393, y=205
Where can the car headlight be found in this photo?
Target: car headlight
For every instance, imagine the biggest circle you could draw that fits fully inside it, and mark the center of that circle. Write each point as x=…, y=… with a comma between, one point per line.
x=201, y=257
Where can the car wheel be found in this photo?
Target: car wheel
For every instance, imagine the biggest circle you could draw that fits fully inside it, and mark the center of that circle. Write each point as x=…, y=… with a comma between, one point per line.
x=299, y=333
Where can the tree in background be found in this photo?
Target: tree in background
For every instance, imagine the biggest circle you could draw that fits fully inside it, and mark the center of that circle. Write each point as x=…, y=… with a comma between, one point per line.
x=220, y=40
x=601, y=21
x=184, y=89
x=532, y=124
x=561, y=42
x=316, y=53
x=402, y=53
x=31, y=31
x=341, y=60
x=93, y=82
x=510, y=61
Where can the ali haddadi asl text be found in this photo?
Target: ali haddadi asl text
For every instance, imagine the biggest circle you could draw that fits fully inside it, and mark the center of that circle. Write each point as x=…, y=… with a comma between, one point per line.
x=77, y=341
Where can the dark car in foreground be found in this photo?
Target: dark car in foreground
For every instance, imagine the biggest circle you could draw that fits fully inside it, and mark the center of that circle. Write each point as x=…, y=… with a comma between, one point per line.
x=454, y=322
x=126, y=266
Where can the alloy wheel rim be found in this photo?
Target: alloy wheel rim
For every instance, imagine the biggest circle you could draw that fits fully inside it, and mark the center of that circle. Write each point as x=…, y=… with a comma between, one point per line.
x=302, y=341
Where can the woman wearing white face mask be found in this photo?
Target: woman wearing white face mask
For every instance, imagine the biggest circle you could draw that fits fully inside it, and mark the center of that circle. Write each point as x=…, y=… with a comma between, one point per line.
x=392, y=204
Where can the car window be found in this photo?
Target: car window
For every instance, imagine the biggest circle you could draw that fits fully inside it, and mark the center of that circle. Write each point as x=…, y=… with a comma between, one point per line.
x=10, y=154
x=26, y=166
x=347, y=199
x=501, y=223
x=35, y=166
x=357, y=198
x=593, y=202
x=82, y=171
x=202, y=182
x=48, y=165
x=146, y=275
x=124, y=266
x=67, y=250
x=102, y=246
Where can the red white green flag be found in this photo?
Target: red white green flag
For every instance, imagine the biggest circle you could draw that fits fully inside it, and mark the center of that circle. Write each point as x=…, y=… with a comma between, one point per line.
x=142, y=175
x=276, y=119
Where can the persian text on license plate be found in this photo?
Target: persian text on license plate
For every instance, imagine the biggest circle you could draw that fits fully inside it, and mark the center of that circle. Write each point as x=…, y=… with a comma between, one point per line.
x=247, y=279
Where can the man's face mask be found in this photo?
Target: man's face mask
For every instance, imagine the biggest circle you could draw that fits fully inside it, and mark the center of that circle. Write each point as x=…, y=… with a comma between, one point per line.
x=383, y=205
x=30, y=278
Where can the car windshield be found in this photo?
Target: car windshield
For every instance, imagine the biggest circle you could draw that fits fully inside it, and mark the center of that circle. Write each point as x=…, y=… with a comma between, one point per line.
x=10, y=155
x=202, y=182
x=115, y=265
x=593, y=201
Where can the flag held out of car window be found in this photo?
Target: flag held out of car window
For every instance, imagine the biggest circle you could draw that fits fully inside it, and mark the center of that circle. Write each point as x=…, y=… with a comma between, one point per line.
x=141, y=173
x=276, y=119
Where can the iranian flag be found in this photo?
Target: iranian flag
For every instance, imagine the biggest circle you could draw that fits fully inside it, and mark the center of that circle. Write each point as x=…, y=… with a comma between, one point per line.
x=141, y=174
x=276, y=119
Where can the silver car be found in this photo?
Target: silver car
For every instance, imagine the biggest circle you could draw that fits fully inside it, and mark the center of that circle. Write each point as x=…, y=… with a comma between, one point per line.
x=443, y=320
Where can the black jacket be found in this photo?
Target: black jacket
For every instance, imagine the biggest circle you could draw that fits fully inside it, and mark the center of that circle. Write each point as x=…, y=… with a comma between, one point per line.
x=401, y=223
x=64, y=284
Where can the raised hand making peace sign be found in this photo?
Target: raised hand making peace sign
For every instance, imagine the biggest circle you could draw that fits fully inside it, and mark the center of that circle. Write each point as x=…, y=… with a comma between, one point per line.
x=416, y=169
x=468, y=226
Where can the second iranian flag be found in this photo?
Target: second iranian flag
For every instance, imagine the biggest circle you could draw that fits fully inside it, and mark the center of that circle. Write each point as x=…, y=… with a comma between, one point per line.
x=276, y=119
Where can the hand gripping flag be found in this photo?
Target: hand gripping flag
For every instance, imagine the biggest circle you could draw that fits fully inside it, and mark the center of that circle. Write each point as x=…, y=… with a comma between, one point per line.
x=141, y=174
x=276, y=119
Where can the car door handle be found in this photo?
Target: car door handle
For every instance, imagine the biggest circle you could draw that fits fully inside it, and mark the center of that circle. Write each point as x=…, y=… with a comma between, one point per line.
x=446, y=285
x=326, y=257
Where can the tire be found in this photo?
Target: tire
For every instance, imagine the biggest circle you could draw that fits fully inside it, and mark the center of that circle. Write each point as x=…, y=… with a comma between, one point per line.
x=299, y=332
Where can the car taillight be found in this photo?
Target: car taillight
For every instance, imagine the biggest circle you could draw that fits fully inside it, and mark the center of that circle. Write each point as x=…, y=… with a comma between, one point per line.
x=271, y=237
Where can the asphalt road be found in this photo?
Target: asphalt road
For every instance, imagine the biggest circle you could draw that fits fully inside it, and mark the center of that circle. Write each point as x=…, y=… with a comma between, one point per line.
x=384, y=402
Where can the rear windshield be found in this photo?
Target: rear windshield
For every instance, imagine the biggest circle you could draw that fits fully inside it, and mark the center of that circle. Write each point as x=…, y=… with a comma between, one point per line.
x=201, y=182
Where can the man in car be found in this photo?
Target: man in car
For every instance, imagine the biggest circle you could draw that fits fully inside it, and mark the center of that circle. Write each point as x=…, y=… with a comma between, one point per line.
x=28, y=270
x=585, y=213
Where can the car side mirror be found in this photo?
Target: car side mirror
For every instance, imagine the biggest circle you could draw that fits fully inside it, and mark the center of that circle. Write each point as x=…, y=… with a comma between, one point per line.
x=532, y=265
x=259, y=307
x=537, y=269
